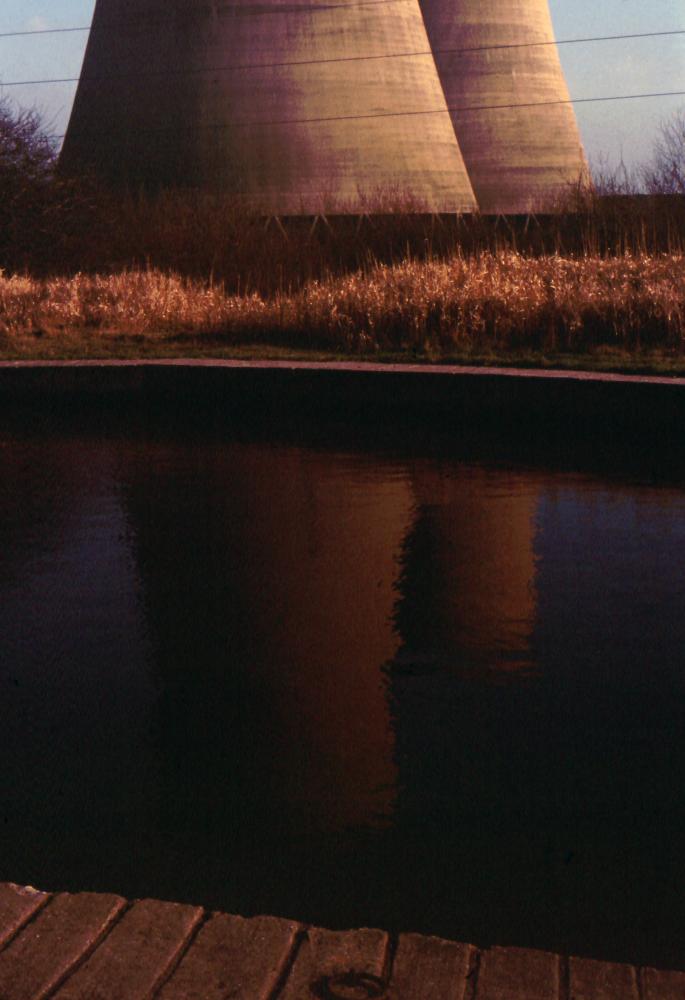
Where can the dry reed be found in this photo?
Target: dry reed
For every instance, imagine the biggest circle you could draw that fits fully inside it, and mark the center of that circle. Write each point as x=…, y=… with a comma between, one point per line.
x=489, y=301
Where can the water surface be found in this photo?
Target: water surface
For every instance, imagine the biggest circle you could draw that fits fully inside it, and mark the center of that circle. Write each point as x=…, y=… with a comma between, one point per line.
x=410, y=681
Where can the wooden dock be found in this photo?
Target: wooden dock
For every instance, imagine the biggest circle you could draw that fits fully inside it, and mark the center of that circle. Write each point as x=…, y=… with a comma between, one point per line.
x=93, y=946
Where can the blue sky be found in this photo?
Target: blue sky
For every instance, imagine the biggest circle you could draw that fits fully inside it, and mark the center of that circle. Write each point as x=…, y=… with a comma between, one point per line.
x=612, y=132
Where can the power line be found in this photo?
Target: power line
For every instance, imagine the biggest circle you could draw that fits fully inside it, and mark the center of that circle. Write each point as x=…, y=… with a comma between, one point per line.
x=148, y=22
x=342, y=59
x=407, y=114
x=42, y=31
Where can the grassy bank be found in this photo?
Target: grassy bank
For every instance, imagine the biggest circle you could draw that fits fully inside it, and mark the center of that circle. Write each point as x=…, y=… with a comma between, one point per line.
x=625, y=312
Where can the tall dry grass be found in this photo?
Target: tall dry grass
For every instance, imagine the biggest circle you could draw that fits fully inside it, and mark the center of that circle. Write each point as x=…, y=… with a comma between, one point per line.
x=489, y=301
x=212, y=237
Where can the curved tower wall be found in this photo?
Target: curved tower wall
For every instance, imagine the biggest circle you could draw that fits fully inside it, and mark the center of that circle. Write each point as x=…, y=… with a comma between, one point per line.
x=519, y=159
x=210, y=95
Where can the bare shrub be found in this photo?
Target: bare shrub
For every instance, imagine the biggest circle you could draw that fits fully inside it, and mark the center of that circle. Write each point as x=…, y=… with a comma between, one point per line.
x=27, y=171
x=46, y=220
x=665, y=174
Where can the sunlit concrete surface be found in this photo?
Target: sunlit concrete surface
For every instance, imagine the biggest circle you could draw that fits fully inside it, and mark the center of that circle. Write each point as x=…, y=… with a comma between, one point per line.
x=291, y=108
x=495, y=53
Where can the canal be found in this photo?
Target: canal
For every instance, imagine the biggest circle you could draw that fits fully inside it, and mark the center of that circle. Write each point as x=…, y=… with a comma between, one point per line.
x=404, y=677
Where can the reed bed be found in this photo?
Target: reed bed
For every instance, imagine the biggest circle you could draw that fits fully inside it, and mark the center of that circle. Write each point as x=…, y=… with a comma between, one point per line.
x=489, y=301
x=203, y=235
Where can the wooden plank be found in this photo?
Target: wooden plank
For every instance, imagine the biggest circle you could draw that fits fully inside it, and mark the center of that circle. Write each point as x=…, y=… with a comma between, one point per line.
x=39, y=958
x=518, y=974
x=18, y=903
x=135, y=956
x=428, y=967
x=338, y=964
x=591, y=980
x=85, y=947
x=233, y=957
x=658, y=985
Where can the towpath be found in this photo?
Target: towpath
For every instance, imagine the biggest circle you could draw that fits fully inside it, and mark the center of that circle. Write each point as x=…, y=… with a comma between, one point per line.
x=92, y=946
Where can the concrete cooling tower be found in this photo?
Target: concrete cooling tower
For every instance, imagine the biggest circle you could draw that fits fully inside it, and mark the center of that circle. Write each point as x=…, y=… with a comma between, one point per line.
x=293, y=107
x=502, y=52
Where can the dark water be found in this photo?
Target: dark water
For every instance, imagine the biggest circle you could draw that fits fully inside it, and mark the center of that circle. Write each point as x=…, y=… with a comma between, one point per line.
x=418, y=682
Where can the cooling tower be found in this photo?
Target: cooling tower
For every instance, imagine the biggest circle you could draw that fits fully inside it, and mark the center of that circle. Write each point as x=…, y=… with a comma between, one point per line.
x=502, y=52
x=292, y=107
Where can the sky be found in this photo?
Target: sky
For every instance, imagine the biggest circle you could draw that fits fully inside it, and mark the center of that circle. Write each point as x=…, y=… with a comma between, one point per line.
x=614, y=133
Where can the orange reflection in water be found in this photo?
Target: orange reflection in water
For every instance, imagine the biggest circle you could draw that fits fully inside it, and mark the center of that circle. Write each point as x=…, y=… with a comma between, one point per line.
x=316, y=571
x=322, y=562
x=468, y=585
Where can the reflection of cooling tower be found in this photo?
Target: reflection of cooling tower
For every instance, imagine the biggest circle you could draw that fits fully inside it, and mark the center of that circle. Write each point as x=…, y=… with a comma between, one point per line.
x=501, y=52
x=275, y=102
x=279, y=592
x=469, y=570
x=321, y=565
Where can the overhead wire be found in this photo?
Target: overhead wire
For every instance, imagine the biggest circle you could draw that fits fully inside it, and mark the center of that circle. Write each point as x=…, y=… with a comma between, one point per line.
x=264, y=10
x=361, y=58
x=406, y=114
x=423, y=53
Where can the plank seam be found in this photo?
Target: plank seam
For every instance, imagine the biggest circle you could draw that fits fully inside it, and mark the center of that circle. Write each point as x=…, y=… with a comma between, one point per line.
x=392, y=943
x=472, y=974
x=564, y=978
x=81, y=959
x=163, y=979
x=172, y=964
x=640, y=980
x=288, y=962
x=25, y=921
